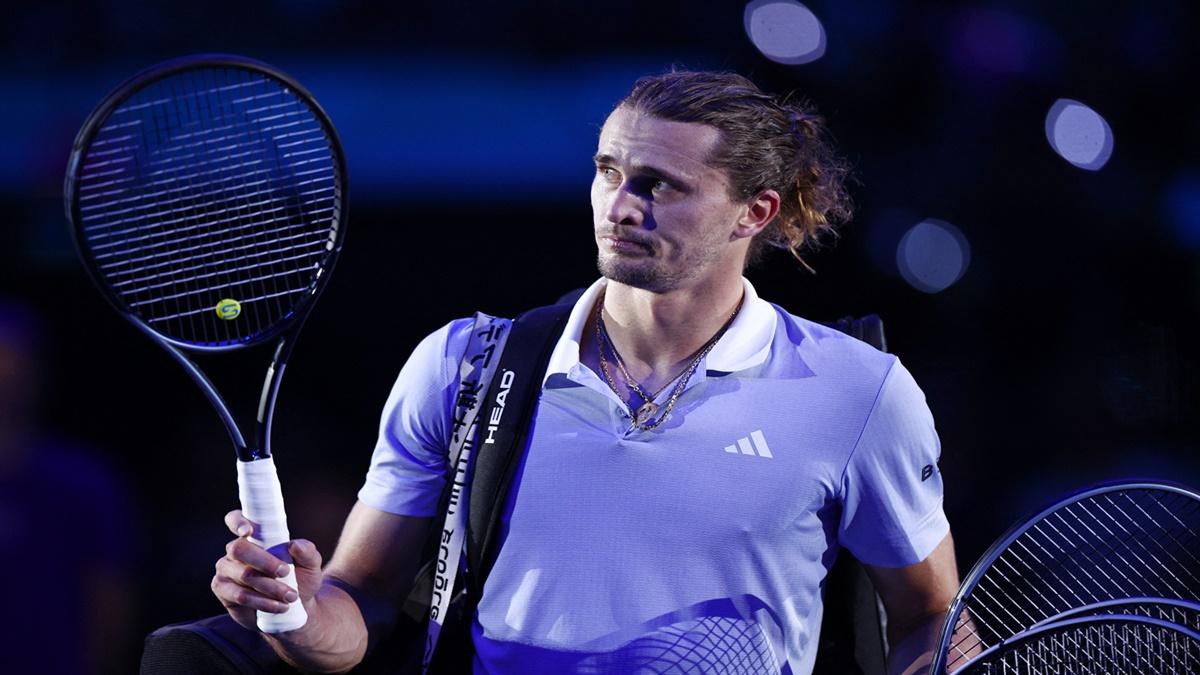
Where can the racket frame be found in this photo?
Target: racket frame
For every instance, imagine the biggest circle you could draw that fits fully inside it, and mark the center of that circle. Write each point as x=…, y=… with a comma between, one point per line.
x=1120, y=607
x=144, y=78
x=288, y=328
x=1067, y=625
x=259, y=488
x=941, y=657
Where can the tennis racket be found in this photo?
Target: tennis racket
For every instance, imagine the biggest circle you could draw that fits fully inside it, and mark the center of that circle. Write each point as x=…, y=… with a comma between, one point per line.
x=207, y=198
x=1094, y=645
x=1129, y=545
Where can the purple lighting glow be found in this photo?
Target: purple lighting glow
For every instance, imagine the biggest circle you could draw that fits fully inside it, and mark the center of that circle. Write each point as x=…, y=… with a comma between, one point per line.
x=994, y=41
x=785, y=31
x=1079, y=134
x=932, y=255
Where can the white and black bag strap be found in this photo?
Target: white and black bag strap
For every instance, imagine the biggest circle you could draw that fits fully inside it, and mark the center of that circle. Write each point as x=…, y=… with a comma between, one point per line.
x=488, y=437
x=489, y=335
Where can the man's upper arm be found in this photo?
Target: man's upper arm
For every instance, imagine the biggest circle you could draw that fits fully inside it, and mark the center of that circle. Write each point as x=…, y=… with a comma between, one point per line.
x=893, y=521
x=916, y=598
x=379, y=549
x=408, y=466
x=915, y=592
x=891, y=489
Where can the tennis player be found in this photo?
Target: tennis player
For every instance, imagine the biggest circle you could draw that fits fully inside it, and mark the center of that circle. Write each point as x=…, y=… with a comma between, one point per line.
x=698, y=455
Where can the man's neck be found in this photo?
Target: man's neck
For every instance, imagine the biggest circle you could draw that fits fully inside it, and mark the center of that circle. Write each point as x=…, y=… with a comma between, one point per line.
x=658, y=334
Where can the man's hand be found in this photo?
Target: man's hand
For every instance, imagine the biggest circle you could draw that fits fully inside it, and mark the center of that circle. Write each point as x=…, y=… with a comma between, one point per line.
x=247, y=578
x=377, y=556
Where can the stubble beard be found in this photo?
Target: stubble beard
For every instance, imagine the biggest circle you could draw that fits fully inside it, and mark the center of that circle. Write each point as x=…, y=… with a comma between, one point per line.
x=651, y=273
x=643, y=274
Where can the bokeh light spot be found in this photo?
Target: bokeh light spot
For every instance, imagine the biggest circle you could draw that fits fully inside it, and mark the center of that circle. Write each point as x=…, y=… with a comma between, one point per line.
x=785, y=31
x=1079, y=134
x=932, y=255
x=1181, y=207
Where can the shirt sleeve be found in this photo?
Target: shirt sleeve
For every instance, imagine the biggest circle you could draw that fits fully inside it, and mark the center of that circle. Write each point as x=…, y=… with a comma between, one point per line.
x=892, y=489
x=408, y=466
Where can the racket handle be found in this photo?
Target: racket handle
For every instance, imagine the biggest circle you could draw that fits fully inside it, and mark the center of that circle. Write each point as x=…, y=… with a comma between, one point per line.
x=262, y=503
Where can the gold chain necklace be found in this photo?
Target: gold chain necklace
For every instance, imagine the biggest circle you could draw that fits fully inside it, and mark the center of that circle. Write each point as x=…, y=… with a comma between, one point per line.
x=644, y=417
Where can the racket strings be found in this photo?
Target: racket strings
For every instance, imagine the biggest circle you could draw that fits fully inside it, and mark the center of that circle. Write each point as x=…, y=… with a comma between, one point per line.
x=211, y=329
x=152, y=197
x=210, y=187
x=1170, y=557
x=156, y=172
x=1178, y=614
x=1097, y=549
x=1111, y=645
x=256, y=288
x=272, y=112
x=233, y=171
x=206, y=330
x=240, y=239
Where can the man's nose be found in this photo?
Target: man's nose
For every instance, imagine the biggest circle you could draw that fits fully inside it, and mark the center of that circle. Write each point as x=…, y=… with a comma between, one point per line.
x=626, y=208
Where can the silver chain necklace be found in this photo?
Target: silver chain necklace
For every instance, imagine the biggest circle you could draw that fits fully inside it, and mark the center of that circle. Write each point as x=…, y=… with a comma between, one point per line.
x=644, y=418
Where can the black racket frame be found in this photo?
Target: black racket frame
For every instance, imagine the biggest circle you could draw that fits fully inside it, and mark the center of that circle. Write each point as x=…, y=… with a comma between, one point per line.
x=286, y=329
x=941, y=657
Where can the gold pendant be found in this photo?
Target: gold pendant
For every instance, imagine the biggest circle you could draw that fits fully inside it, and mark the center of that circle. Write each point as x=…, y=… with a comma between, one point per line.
x=645, y=413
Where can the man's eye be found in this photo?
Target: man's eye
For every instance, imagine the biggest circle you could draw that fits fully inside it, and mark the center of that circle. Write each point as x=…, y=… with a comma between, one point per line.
x=660, y=185
x=607, y=172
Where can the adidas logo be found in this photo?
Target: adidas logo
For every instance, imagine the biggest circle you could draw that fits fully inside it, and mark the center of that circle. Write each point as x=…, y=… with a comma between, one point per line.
x=754, y=444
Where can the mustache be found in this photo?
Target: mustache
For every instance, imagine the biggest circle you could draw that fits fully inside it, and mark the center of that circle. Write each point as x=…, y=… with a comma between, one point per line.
x=627, y=236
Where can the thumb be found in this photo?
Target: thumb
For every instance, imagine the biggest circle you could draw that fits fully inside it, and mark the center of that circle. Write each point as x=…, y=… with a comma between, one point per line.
x=305, y=554
x=307, y=560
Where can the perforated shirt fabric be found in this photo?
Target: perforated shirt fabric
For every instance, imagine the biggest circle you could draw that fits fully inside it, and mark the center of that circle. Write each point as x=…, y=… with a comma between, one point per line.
x=699, y=546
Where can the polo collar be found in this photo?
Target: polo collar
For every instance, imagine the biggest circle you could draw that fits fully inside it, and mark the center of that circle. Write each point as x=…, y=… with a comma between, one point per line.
x=746, y=344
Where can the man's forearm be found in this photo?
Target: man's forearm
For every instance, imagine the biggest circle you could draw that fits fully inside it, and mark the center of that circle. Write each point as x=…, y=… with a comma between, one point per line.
x=334, y=639
x=913, y=649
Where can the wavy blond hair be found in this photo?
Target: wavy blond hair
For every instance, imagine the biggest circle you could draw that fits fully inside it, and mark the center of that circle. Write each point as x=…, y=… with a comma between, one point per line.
x=765, y=143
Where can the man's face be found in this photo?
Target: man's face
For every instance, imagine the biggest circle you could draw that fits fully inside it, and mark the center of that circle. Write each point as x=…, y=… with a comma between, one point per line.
x=663, y=217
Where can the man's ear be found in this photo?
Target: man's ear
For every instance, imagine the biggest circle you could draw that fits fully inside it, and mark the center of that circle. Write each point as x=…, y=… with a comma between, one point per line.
x=760, y=211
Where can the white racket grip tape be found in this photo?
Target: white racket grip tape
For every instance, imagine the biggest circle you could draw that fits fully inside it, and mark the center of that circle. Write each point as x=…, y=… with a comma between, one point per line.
x=262, y=503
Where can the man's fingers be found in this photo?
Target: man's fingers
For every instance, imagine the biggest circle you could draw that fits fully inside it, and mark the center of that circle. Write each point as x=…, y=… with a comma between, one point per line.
x=249, y=578
x=237, y=597
x=243, y=551
x=238, y=524
x=234, y=582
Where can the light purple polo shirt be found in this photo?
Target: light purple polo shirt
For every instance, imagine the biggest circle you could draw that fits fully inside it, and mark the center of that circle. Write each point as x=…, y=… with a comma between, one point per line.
x=703, y=543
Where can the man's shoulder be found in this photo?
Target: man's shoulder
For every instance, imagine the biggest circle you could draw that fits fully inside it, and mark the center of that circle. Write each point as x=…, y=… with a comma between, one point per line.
x=449, y=340
x=800, y=330
x=826, y=349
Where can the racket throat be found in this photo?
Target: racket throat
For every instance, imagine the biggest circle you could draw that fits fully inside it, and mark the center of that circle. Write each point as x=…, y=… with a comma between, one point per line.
x=266, y=404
